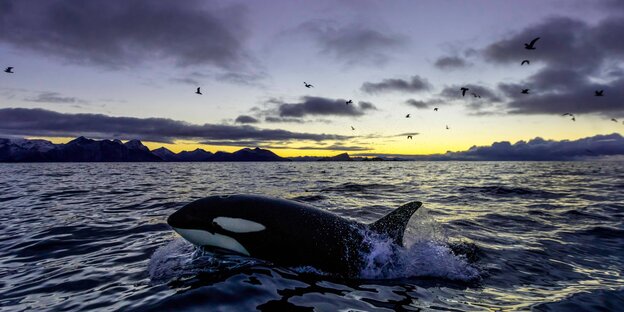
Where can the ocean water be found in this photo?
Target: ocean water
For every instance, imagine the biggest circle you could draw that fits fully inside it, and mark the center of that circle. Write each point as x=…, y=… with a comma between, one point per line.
x=547, y=236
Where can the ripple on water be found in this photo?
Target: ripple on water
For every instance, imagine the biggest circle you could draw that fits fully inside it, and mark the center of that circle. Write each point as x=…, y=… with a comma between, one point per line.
x=509, y=235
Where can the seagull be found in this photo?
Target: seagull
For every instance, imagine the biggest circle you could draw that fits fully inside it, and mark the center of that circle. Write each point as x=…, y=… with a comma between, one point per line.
x=525, y=91
x=525, y=61
x=463, y=90
x=613, y=119
x=599, y=93
x=307, y=85
x=349, y=102
x=198, y=91
x=407, y=116
x=409, y=137
x=531, y=46
x=352, y=128
x=435, y=109
x=9, y=70
x=447, y=128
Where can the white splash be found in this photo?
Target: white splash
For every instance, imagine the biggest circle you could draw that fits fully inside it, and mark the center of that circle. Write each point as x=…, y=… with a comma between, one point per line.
x=426, y=254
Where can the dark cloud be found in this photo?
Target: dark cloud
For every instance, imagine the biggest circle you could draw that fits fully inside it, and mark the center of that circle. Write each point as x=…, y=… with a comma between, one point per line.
x=451, y=62
x=118, y=34
x=247, y=143
x=417, y=103
x=540, y=149
x=54, y=97
x=334, y=147
x=322, y=107
x=574, y=99
x=407, y=133
x=415, y=84
x=578, y=59
x=488, y=97
x=40, y=122
x=246, y=119
x=279, y=120
x=564, y=42
x=353, y=43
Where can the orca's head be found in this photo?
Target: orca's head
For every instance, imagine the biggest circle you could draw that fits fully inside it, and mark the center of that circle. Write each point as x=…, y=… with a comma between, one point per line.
x=214, y=222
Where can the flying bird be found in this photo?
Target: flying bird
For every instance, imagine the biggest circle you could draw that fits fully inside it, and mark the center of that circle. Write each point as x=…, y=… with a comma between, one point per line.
x=349, y=102
x=435, y=109
x=447, y=128
x=531, y=45
x=352, y=128
x=525, y=61
x=407, y=116
x=525, y=91
x=567, y=114
x=573, y=119
x=463, y=90
x=198, y=91
x=409, y=137
x=475, y=95
x=9, y=70
x=614, y=120
x=599, y=93
x=307, y=85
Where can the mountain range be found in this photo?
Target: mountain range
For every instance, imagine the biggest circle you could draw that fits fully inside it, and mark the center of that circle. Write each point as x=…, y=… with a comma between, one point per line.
x=82, y=149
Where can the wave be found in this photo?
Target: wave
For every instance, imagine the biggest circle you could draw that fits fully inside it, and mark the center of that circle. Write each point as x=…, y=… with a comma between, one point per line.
x=359, y=188
x=499, y=190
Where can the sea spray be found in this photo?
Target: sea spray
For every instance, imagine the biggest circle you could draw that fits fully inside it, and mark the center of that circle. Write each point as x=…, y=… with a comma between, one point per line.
x=426, y=253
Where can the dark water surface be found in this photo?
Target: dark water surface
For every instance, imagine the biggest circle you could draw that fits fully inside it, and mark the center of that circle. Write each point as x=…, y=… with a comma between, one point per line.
x=549, y=236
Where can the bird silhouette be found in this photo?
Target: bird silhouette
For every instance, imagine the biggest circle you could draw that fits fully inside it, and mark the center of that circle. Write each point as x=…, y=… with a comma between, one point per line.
x=349, y=102
x=525, y=61
x=573, y=119
x=409, y=137
x=475, y=95
x=614, y=120
x=407, y=116
x=531, y=45
x=567, y=114
x=9, y=70
x=352, y=128
x=435, y=109
x=463, y=90
x=525, y=91
x=307, y=85
x=447, y=128
x=198, y=91
x=599, y=93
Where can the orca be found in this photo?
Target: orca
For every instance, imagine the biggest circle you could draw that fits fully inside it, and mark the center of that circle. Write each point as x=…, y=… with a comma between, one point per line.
x=285, y=232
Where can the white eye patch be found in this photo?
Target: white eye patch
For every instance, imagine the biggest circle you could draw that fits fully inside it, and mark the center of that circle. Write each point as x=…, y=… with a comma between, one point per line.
x=238, y=225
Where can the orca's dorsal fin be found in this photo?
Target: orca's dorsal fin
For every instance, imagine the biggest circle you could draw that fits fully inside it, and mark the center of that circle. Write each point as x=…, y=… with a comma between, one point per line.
x=394, y=223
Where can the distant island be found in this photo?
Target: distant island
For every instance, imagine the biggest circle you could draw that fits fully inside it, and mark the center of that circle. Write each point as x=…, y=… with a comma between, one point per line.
x=83, y=149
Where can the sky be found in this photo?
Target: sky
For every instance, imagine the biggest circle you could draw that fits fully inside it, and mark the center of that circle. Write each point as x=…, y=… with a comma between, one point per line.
x=129, y=70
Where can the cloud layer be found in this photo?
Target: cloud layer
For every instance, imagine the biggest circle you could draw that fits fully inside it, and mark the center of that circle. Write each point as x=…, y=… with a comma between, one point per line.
x=540, y=149
x=577, y=58
x=319, y=106
x=415, y=84
x=353, y=43
x=40, y=122
x=122, y=33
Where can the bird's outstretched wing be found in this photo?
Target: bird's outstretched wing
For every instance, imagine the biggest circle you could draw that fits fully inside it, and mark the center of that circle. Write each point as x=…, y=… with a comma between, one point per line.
x=534, y=41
